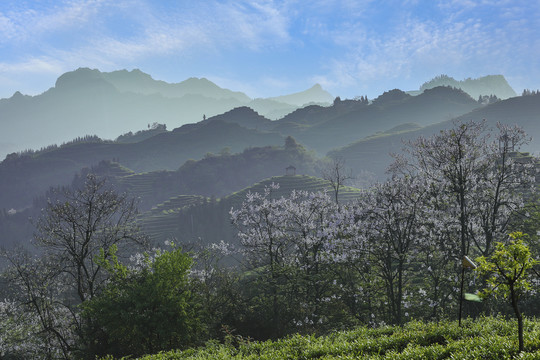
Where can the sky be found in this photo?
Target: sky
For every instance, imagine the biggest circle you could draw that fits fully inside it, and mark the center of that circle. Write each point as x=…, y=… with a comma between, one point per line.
x=269, y=48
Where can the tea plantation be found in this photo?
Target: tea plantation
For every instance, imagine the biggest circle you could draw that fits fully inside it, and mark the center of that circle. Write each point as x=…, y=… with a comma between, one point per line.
x=482, y=338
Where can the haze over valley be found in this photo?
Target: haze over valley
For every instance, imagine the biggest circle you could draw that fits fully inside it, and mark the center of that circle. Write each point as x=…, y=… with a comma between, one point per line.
x=233, y=179
x=229, y=144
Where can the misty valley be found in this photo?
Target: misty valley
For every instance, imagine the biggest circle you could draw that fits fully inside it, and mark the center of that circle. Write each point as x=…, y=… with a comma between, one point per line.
x=155, y=220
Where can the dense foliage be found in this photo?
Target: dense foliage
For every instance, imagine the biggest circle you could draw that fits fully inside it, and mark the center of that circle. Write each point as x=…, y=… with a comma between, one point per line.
x=304, y=263
x=146, y=309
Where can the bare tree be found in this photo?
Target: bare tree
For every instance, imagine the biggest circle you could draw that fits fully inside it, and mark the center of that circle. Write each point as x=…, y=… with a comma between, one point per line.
x=78, y=230
x=50, y=328
x=337, y=174
x=83, y=224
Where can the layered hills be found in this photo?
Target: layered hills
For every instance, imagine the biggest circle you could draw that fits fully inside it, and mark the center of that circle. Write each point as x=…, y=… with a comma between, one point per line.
x=325, y=128
x=373, y=153
x=187, y=177
x=87, y=101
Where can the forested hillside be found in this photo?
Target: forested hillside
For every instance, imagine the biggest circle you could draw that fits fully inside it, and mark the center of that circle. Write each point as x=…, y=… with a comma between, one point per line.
x=451, y=235
x=237, y=228
x=88, y=101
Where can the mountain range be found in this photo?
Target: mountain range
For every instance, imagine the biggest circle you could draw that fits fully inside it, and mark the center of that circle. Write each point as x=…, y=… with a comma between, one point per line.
x=484, y=86
x=87, y=102
x=183, y=176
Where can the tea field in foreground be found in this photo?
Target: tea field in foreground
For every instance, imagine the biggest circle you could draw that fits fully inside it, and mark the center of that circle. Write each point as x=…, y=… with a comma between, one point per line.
x=482, y=338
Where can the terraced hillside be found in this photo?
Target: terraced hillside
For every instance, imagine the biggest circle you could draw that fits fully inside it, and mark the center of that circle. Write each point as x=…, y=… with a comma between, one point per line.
x=192, y=219
x=161, y=222
x=148, y=187
x=289, y=183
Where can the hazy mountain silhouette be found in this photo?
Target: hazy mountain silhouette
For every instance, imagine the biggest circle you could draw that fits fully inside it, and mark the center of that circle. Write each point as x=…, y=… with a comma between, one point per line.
x=142, y=83
x=272, y=109
x=87, y=101
x=486, y=85
x=315, y=94
x=324, y=128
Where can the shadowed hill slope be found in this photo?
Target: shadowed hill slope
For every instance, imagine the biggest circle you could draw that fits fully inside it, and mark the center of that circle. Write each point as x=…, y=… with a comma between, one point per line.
x=348, y=121
x=25, y=176
x=373, y=153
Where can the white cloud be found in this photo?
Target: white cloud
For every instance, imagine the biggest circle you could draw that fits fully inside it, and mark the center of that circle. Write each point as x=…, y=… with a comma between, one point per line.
x=232, y=26
x=249, y=24
x=33, y=65
x=75, y=15
x=207, y=28
x=7, y=28
x=472, y=46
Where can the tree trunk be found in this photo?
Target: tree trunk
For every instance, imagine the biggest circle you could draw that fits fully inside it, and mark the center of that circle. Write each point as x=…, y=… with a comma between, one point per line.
x=520, y=333
x=461, y=288
x=519, y=316
x=400, y=293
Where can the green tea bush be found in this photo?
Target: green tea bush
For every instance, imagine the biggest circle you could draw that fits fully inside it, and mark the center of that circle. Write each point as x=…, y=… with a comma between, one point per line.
x=482, y=338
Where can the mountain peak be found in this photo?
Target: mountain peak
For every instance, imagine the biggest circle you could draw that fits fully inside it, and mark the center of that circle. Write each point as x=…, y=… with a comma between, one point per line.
x=81, y=76
x=17, y=95
x=391, y=96
x=315, y=94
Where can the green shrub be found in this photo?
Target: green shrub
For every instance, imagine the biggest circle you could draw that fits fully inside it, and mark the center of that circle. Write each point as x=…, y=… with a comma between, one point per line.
x=145, y=311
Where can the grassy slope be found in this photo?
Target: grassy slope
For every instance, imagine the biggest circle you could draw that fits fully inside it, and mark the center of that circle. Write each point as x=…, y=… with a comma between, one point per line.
x=483, y=338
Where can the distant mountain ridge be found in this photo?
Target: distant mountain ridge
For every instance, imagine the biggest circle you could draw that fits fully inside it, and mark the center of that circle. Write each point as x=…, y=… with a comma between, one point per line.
x=373, y=153
x=87, y=101
x=315, y=94
x=140, y=82
x=325, y=128
x=197, y=162
x=317, y=127
x=482, y=86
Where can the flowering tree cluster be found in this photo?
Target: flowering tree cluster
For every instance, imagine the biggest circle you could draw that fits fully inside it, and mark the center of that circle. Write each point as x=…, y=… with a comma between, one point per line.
x=307, y=263
x=397, y=251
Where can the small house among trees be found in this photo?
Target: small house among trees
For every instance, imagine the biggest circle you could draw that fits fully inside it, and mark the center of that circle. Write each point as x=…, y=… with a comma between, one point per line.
x=290, y=170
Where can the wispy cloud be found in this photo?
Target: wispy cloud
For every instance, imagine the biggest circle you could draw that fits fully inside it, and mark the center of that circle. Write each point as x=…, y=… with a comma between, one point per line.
x=468, y=44
x=214, y=25
x=33, y=65
x=343, y=43
x=7, y=28
x=28, y=24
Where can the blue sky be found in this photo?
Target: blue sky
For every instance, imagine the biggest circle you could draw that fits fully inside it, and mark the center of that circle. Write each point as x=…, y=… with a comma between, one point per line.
x=269, y=48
